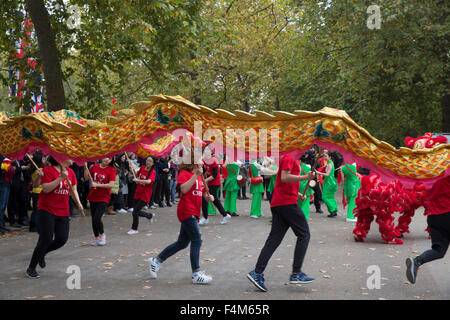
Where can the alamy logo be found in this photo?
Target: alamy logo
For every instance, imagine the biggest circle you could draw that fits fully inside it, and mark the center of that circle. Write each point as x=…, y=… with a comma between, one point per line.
x=73, y=281
x=374, y=280
x=374, y=19
x=74, y=19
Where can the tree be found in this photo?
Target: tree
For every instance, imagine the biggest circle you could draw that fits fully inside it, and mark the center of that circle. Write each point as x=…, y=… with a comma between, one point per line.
x=108, y=36
x=390, y=80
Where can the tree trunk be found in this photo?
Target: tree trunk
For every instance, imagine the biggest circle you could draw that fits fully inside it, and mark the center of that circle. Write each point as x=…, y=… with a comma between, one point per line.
x=49, y=54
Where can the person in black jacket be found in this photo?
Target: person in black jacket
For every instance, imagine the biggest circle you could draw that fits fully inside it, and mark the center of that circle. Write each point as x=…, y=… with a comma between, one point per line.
x=18, y=205
x=310, y=158
x=163, y=182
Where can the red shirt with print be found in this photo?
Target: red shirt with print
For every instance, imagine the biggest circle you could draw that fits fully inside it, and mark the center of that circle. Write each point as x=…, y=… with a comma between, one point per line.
x=56, y=201
x=101, y=176
x=144, y=191
x=190, y=202
x=286, y=193
x=209, y=166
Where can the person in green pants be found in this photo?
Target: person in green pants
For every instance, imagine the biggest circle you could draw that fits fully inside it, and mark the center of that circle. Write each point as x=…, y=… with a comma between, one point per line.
x=257, y=190
x=304, y=205
x=231, y=187
x=351, y=186
x=329, y=186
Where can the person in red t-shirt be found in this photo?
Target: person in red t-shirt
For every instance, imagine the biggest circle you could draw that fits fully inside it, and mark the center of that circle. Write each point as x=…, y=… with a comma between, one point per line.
x=104, y=176
x=437, y=209
x=285, y=213
x=211, y=165
x=53, y=211
x=188, y=212
x=145, y=177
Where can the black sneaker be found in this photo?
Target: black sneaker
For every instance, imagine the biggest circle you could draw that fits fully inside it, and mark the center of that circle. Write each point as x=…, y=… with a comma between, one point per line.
x=332, y=215
x=16, y=225
x=319, y=211
x=411, y=270
x=32, y=274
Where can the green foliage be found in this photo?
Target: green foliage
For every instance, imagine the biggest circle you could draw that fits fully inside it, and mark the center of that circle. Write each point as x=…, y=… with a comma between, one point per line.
x=263, y=54
x=110, y=36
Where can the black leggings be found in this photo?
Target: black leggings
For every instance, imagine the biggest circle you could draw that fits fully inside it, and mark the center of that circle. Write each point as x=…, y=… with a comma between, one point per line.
x=317, y=196
x=49, y=226
x=217, y=203
x=284, y=217
x=440, y=237
x=137, y=212
x=97, y=211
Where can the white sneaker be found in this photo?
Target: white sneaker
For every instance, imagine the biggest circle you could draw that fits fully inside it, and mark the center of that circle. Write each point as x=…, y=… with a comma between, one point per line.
x=153, y=206
x=254, y=217
x=122, y=211
x=102, y=240
x=352, y=220
x=133, y=232
x=203, y=221
x=200, y=277
x=130, y=209
x=153, y=266
x=225, y=219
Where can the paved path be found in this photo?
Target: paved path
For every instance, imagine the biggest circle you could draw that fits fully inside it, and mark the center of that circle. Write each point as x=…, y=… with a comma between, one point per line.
x=119, y=270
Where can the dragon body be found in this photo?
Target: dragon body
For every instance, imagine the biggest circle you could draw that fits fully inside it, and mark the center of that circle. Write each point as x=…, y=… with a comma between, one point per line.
x=149, y=127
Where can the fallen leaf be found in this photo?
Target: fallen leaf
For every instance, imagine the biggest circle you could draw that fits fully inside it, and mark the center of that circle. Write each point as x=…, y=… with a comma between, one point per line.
x=327, y=276
x=396, y=267
x=210, y=259
x=146, y=287
x=416, y=297
x=13, y=278
x=29, y=298
x=48, y=297
x=323, y=271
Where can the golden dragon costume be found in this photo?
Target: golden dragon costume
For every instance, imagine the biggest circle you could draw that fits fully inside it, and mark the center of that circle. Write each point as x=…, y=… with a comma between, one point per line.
x=148, y=127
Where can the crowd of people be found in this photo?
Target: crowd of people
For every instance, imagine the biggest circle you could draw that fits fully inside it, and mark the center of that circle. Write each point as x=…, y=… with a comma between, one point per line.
x=126, y=183
x=19, y=193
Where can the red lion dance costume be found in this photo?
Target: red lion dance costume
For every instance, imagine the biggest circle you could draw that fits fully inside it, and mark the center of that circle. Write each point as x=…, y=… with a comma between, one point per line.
x=380, y=200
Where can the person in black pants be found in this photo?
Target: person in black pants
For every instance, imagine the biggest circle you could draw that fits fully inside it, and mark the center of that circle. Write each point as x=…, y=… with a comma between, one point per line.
x=437, y=209
x=212, y=178
x=17, y=205
x=163, y=182
x=285, y=213
x=53, y=214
